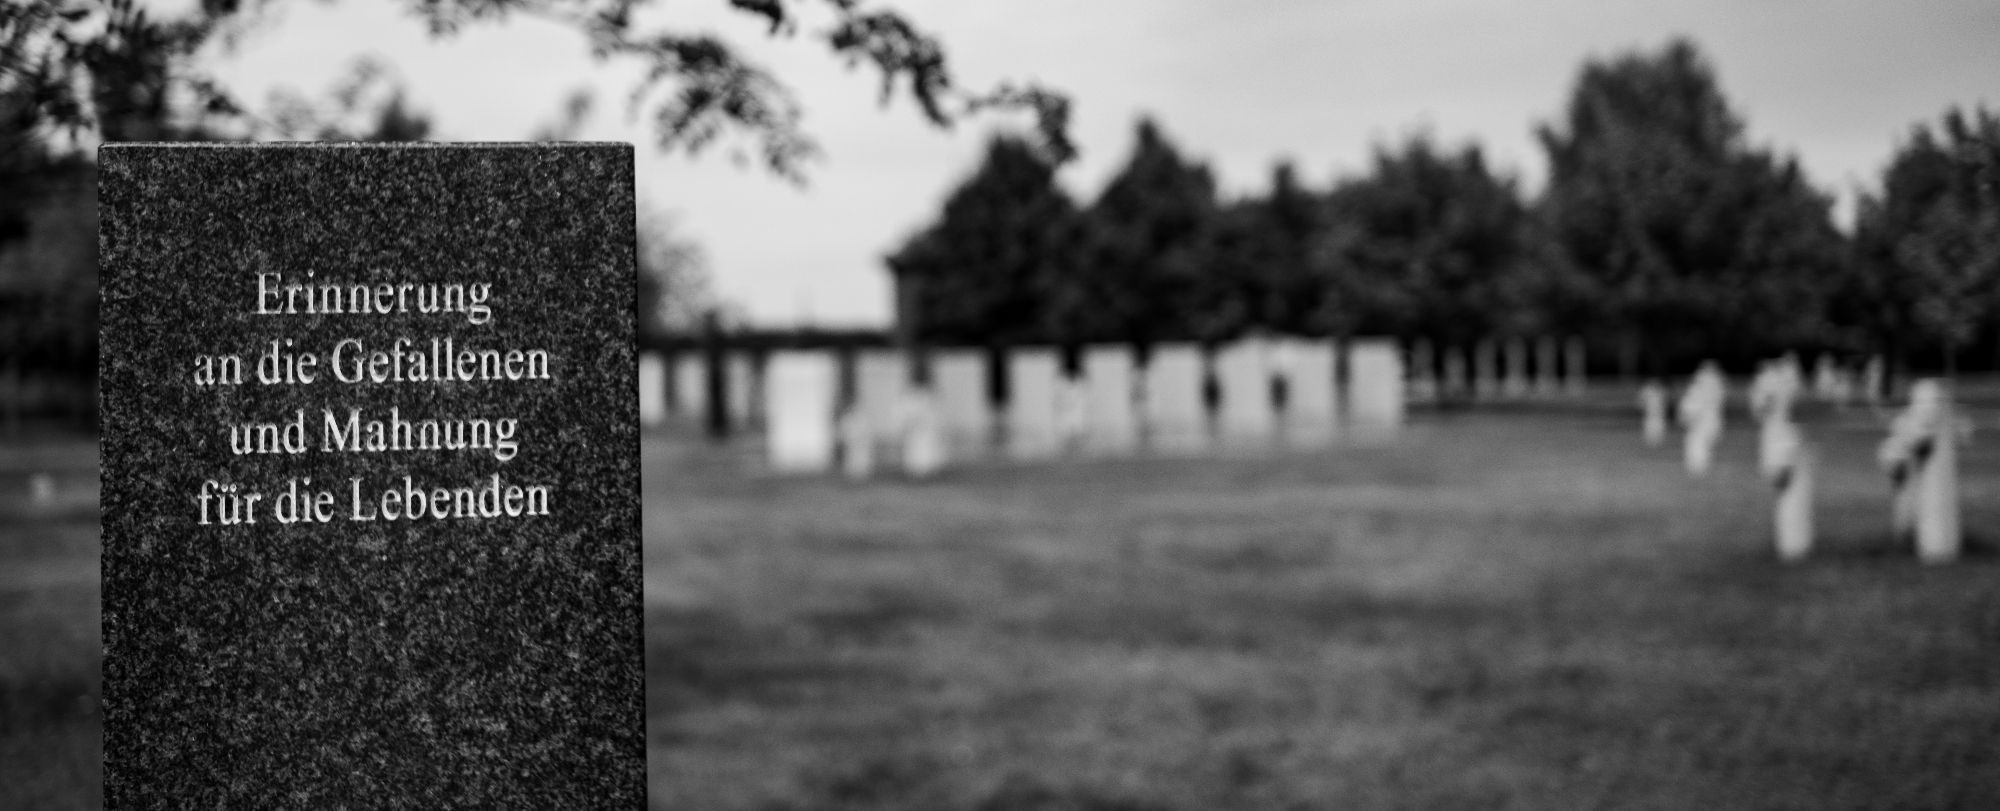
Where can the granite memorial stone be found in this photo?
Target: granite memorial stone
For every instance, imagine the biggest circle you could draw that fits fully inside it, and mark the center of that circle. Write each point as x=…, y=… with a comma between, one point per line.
x=370, y=477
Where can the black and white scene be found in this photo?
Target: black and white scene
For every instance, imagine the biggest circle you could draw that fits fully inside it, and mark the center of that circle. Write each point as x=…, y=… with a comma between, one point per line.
x=871, y=405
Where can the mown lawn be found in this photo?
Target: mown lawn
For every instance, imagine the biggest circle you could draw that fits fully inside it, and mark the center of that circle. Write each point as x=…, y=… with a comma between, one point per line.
x=1501, y=611
x=1511, y=610
x=51, y=736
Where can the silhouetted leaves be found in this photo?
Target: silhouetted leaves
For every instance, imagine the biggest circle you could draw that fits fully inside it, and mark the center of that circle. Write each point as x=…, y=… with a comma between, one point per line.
x=1693, y=240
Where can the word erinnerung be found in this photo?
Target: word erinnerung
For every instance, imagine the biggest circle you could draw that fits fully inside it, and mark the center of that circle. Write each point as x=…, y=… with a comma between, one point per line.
x=277, y=296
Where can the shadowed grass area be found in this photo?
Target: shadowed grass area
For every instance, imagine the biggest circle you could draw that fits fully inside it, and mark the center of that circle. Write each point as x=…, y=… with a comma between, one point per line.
x=51, y=734
x=1497, y=612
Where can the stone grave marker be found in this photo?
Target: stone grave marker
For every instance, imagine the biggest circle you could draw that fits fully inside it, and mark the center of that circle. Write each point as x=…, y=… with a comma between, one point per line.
x=1576, y=362
x=1072, y=413
x=1940, y=538
x=1311, y=416
x=1110, y=402
x=1176, y=419
x=1486, y=369
x=880, y=376
x=800, y=432
x=370, y=476
x=1786, y=460
x=1921, y=455
x=1517, y=367
x=1548, y=354
x=920, y=432
x=1653, y=411
x=1032, y=377
x=1374, y=386
x=1456, y=384
x=1248, y=417
x=691, y=388
x=1700, y=411
x=742, y=383
x=965, y=405
x=1423, y=371
x=652, y=388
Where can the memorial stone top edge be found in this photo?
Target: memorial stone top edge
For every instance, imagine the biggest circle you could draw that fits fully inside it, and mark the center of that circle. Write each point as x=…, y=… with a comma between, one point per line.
x=137, y=145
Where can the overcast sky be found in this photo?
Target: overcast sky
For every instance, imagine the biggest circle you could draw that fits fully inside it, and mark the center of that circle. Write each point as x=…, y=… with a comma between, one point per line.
x=1238, y=84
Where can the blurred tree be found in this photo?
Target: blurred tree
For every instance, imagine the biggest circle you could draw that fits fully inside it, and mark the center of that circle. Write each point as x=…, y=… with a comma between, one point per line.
x=674, y=289
x=1696, y=243
x=1266, y=271
x=995, y=265
x=1431, y=244
x=697, y=86
x=367, y=105
x=1928, y=247
x=1148, y=248
x=568, y=126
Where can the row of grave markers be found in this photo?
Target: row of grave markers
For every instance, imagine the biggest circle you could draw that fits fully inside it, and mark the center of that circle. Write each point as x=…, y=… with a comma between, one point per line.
x=1267, y=391
x=1497, y=369
x=1919, y=454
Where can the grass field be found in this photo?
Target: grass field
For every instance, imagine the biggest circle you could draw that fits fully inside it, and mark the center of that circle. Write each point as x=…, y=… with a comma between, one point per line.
x=1497, y=611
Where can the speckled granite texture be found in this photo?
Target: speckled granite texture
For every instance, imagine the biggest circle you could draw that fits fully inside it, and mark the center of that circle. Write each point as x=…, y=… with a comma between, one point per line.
x=482, y=661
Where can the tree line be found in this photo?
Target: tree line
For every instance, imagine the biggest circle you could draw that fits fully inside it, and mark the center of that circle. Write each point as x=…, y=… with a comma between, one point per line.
x=1662, y=236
